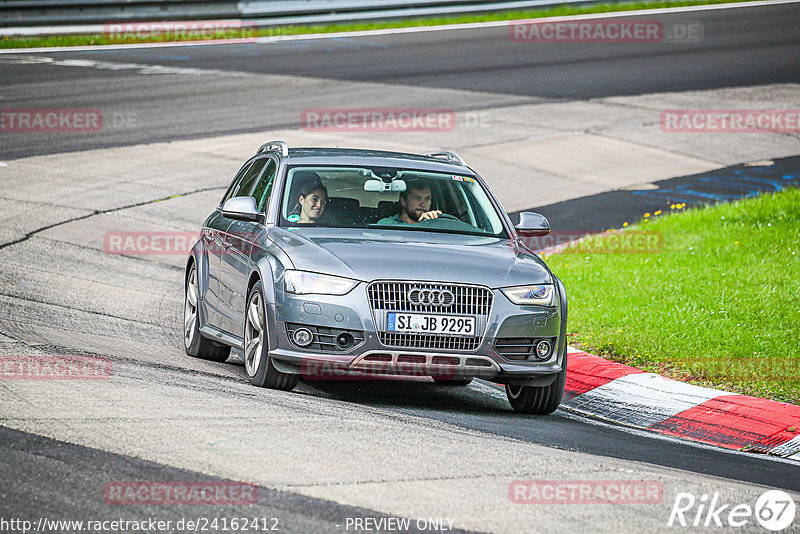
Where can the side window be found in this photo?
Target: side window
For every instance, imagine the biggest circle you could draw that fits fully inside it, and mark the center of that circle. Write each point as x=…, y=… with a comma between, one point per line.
x=246, y=185
x=235, y=184
x=264, y=187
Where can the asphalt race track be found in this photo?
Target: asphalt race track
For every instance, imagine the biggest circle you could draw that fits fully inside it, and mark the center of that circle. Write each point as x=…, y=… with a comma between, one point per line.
x=332, y=451
x=483, y=65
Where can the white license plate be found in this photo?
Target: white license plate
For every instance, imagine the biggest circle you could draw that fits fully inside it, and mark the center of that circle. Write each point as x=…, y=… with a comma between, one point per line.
x=418, y=323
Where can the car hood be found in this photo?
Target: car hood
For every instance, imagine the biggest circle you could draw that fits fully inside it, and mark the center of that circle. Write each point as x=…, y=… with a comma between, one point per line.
x=369, y=255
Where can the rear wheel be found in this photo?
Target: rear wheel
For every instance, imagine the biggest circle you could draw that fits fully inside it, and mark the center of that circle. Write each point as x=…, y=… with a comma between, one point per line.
x=453, y=382
x=193, y=341
x=540, y=400
x=257, y=362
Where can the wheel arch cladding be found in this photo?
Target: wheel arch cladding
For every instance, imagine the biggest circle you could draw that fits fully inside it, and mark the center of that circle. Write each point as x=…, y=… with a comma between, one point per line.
x=202, y=272
x=562, y=296
x=263, y=271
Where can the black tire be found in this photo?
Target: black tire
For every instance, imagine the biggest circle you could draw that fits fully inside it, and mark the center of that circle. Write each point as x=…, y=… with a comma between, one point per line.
x=453, y=382
x=257, y=362
x=540, y=400
x=193, y=341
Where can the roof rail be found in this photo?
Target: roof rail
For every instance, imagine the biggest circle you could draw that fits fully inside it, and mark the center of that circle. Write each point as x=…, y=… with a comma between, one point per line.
x=274, y=146
x=452, y=156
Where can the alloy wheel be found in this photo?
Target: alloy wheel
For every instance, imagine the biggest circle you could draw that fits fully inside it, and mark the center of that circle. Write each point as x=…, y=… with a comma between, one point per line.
x=190, y=310
x=253, y=334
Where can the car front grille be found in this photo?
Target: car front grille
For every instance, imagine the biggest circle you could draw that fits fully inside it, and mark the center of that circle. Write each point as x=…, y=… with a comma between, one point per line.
x=473, y=301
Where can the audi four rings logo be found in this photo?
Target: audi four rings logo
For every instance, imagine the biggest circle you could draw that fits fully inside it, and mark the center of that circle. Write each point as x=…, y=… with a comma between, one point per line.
x=431, y=297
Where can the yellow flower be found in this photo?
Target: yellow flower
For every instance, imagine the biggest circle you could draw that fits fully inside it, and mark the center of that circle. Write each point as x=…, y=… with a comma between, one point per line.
x=625, y=224
x=647, y=214
x=657, y=213
x=672, y=206
x=735, y=242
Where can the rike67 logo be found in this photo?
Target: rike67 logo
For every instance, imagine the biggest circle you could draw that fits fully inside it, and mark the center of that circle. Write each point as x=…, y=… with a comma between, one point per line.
x=774, y=510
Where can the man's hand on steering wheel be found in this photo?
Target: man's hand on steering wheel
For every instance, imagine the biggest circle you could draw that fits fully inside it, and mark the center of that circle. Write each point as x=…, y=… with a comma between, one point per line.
x=430, y=215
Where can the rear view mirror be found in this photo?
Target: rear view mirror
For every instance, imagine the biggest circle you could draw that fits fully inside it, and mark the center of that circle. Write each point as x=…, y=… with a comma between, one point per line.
x=378, y=186
x=532, y=225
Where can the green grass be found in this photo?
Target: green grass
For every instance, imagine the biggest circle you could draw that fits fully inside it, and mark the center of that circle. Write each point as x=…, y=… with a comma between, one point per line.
x=718, y=306
x=105, y=39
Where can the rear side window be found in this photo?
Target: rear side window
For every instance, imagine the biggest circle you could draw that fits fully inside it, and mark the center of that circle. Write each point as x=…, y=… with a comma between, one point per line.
x=264, y=187
x=235, y=184
x=246, y=185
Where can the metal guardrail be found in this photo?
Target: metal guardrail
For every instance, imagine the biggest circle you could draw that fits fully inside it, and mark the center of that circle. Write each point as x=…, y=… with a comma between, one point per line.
x=22, y=17
x=58, y=12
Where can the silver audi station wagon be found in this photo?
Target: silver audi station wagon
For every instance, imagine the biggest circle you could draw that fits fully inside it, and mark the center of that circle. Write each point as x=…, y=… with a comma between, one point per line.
x=321, y=263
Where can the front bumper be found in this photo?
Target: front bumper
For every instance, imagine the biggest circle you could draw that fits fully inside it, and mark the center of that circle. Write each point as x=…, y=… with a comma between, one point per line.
x=352, y=312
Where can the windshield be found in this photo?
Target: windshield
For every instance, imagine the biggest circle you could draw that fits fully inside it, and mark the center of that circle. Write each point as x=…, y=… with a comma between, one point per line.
x=387, y=198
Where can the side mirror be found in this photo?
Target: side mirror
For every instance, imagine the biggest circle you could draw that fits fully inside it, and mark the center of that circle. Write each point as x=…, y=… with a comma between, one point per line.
x=532, y=225
x=242, y=209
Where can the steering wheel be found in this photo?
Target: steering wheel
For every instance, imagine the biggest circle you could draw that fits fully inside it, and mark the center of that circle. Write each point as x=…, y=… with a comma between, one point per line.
x=446, y=216
x=445, y=221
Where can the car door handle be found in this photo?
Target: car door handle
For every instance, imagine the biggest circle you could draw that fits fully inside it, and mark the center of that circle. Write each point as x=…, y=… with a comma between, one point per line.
x=226, y=244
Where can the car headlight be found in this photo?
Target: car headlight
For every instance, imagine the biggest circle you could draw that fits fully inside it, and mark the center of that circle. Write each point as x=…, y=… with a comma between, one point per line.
x=539, y=295
x=303, y=283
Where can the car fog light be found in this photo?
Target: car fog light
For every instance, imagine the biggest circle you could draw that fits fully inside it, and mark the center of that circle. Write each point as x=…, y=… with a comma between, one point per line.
x=543, y=350
x=344, y=340
x=303, y=337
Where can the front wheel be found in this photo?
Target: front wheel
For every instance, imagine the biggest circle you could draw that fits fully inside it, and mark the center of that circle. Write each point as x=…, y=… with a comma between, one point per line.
x=257, y=362
x=540, y=400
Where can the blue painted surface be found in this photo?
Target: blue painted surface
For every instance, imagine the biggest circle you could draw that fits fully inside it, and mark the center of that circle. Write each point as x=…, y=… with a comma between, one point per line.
x=733, y=184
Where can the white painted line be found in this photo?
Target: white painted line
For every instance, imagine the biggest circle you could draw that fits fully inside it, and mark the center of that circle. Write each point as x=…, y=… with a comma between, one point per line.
x=790, y=448
x=642, y=399
x=397, y=31
x=142, y=68
x=87, y=48
x=576, y=416
x=491, y=389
